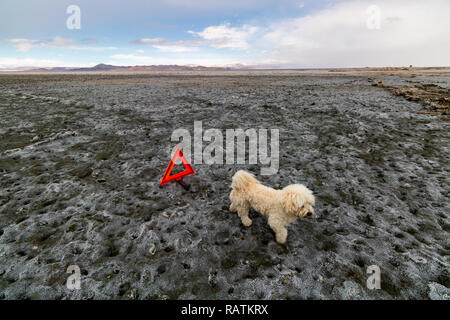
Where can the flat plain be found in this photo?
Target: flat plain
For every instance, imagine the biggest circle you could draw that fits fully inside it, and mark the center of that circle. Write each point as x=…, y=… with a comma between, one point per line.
x=81, y=157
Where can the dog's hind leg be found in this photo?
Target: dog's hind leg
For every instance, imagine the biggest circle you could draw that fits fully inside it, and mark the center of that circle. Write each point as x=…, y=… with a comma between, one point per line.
x=233, y=198
x=239, y=204
x=279, y=229
x=243, y=214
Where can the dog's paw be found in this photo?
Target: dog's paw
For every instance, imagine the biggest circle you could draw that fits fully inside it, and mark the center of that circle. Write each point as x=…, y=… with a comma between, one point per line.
x=281, y=237
x=247, y=222
x=232, y=208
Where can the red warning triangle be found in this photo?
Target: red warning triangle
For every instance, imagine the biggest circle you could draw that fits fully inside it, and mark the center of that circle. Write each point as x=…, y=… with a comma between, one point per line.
x=167, y=177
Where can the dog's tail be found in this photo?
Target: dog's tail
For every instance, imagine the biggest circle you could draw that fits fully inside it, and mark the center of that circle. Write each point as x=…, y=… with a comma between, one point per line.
x=242, y=179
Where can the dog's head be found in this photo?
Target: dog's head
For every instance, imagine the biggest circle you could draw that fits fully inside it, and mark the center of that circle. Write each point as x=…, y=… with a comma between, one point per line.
x=298, y=200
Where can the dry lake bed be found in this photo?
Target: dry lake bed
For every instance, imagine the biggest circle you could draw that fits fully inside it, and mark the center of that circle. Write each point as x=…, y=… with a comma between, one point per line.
x=81, y=157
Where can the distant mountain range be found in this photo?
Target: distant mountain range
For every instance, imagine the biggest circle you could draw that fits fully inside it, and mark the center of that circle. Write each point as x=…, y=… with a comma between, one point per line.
x=111, y=68
x=108, y=68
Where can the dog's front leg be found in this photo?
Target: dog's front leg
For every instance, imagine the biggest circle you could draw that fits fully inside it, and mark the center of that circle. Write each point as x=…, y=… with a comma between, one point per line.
x=243, y=214
x=279, y=229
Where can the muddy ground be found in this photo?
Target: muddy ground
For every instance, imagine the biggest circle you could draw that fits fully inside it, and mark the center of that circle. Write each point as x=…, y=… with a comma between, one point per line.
x=81, y=157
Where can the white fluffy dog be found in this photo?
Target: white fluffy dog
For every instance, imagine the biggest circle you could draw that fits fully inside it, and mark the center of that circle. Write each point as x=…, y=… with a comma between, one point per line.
x=281, y=207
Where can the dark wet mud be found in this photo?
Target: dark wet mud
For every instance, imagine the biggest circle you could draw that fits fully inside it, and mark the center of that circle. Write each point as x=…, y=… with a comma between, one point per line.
x=81, y=157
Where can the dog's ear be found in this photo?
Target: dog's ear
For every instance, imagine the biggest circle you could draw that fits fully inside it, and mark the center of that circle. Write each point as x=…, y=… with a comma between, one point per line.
x=291, y=200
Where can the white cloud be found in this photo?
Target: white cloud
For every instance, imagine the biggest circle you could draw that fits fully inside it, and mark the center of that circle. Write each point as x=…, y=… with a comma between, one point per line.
x=148, y=41
x=411, y=32
x=25, y=45
x=131, y=59
x=224, y=36
x=221, y=36
x=175, y=48
x=6, y=62
x=208, y=5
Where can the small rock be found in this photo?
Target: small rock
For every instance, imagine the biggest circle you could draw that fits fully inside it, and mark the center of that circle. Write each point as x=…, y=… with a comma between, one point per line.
x=438, y=291
x=35, y=138
x=212, y=278
x=152, y=249
x=286, y=282
x=133, y=294
x=417, y=259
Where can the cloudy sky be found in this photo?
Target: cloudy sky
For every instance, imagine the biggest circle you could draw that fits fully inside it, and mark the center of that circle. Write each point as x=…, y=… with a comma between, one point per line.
x=297, y=33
